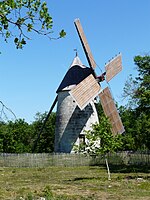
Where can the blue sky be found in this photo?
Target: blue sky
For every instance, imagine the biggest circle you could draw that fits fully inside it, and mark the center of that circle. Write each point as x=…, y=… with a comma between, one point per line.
x=29, y=77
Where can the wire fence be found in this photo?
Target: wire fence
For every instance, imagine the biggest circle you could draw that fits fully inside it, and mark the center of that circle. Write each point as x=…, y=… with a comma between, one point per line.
x=71, y=160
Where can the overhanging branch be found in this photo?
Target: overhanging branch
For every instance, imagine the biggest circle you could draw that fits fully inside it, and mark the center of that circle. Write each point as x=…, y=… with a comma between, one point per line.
x=3, y=113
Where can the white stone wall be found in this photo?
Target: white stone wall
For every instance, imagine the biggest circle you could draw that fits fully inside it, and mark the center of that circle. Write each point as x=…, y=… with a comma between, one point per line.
x=71, y=122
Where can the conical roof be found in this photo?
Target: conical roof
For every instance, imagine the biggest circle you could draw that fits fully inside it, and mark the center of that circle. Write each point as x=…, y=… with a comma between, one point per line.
x=77, y=61
x=76, y=73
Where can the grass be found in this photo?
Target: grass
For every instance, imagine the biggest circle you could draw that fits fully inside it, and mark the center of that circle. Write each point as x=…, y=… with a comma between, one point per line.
x=74, y=183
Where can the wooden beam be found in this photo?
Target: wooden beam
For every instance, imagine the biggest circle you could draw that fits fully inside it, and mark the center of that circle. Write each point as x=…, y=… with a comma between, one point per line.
x=85, y=91
x=85, y=45
x=113, y=67
x=110, y=111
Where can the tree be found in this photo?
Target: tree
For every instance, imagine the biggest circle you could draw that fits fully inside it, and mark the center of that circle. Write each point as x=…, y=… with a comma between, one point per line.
x=101, y=141
x=20, y=17
x=129, y=122
x=2, y=128
x=15, y=137
x=45, y=143
x=138, y=90
x=142, y=94
x=19, y=136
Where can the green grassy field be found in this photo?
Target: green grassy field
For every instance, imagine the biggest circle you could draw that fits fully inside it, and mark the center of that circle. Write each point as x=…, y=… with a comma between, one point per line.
x=72, y=183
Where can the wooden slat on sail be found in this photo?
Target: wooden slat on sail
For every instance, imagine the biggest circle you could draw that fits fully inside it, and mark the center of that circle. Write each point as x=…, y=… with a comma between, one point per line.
x=85, y=43
x=85, y=91
x=113, y=67
x=110, y=111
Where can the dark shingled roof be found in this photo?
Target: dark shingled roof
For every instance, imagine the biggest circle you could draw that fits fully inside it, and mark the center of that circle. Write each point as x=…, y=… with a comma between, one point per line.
x=74, y=76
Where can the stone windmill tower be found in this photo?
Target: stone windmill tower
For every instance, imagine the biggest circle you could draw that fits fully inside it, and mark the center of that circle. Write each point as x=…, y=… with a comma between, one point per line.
x=71, y=121
x=76, y=111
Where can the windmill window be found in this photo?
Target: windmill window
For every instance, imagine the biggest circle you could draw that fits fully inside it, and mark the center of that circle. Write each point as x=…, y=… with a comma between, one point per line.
x=82, y=139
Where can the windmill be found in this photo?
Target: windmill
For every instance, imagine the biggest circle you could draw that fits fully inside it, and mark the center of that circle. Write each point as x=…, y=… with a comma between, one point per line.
x=76, y=111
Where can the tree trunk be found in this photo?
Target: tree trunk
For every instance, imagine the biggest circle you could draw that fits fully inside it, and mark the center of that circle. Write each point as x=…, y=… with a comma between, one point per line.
x=108, y=171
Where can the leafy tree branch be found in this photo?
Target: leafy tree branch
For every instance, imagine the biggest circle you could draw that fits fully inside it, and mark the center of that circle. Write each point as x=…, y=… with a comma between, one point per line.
x=20, y=17
x=100, y=141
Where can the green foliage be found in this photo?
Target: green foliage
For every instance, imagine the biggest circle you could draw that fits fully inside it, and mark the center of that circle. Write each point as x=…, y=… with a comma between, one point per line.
x=100, y=139
x=136, y=117
x=15, y=137
x=19, y=136
x=100, y=111
x=138, y=89
x=137, y=126
x=46, y=140
x=128, y=116
x=62, y=33
x=19, y=17
x=142, y=95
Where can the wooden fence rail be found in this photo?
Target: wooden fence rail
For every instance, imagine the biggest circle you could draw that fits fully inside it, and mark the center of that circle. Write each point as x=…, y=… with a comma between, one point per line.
x=68, y=160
